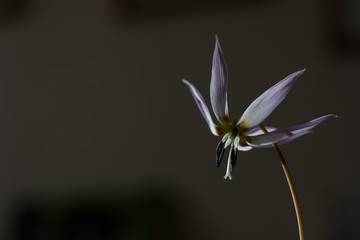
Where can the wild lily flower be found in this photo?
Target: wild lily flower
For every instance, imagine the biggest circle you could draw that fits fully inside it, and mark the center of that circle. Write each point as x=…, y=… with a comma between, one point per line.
x=244, y=134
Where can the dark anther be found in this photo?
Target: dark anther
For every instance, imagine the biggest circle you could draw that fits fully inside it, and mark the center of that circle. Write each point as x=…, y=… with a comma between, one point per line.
x=219, y=147
x=219, y=153
x=233, y=157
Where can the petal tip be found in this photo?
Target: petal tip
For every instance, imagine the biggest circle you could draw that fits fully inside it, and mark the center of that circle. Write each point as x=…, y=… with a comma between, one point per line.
x=217, y=45
x=331, y=116
x=300, y=72
x=186, y=82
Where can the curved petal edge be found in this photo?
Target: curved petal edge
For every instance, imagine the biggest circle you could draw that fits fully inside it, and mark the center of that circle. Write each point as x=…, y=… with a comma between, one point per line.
x=266, y=103
x=219, y=85
x=216, y=130
x=285, y=135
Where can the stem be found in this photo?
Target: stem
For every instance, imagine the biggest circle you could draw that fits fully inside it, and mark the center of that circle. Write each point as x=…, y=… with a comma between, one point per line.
x=291, y=186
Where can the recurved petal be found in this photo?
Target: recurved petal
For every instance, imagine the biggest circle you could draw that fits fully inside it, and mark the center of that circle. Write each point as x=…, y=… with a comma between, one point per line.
x=257, y=131
x=263, y=106
x=219, y=85
x=286, y=140
x=285, y=135
x=203, y=108
x=243, y=148
x=300, y=128
x=291, y=138
x=267, y=139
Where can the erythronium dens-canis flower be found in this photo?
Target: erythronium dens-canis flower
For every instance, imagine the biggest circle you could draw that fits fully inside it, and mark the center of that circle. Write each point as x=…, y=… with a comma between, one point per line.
x=246, y=133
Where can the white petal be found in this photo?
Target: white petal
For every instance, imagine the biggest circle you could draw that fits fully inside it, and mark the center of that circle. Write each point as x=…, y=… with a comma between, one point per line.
x=239, y=147
x=244, y=148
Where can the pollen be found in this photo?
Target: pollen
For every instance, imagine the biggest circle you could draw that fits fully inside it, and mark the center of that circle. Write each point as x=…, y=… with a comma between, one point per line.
x=242, y=125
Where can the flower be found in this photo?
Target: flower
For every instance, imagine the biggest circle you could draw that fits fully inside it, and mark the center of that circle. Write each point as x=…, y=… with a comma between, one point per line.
x=245, y=134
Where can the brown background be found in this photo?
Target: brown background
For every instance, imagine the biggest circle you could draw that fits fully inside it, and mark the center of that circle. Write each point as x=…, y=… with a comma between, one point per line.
x=92, y=106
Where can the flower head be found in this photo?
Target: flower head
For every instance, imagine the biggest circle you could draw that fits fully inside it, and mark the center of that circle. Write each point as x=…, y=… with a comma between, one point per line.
x=245, y=134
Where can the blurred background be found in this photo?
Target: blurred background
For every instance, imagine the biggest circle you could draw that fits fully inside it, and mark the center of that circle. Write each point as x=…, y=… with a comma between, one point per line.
x=101, y=140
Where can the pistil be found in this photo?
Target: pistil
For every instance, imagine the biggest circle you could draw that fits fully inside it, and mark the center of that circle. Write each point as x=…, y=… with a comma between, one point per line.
x=228, y=168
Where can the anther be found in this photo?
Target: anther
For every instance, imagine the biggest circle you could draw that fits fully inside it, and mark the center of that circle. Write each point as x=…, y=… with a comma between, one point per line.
x=233, y=153
x=219, y=153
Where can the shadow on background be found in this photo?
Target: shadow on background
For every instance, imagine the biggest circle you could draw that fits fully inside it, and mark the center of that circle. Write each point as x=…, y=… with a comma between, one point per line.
x=150, y=213
x=13, y=10
x=144, y=10
x=342, y=25
x=345, y=225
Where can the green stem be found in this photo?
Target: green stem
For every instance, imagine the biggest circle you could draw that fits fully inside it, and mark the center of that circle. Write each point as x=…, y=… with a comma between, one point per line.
x=291, y=186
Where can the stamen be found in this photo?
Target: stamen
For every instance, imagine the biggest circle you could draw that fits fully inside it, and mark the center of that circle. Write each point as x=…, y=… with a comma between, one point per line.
x=236, y=141
x=228, y=142
x=219, y=153
x=233, y=157
x=225, y=137
x=219, y=147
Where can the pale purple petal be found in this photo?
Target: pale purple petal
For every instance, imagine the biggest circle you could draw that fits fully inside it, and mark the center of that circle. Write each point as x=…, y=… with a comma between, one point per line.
x=202, y=107
x=257, y=131
x=288, y=134
x=263, y=106
x=266, y=139
x=296, y=129
x=293, y=137
x=286, y=140
x=219, y=85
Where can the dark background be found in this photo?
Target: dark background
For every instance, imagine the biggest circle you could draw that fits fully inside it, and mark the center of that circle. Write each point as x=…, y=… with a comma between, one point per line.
x=100, y=139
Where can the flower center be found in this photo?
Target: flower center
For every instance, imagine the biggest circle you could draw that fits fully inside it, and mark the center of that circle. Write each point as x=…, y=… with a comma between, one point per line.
x=234, y=133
